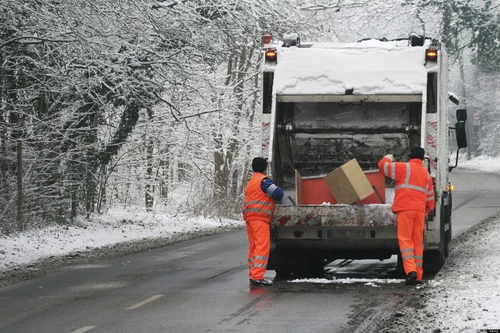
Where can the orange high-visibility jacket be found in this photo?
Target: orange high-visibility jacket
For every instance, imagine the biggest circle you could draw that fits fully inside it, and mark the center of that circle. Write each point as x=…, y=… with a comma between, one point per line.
x=257, y=204
x=413, y=185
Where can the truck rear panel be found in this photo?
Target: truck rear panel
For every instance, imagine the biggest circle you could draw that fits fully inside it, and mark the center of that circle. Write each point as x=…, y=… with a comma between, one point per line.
x=339, y=231
x=324, y=105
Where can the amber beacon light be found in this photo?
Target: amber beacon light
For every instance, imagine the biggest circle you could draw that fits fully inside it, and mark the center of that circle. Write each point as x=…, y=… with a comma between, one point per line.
x=431, y=55
x=271, y=55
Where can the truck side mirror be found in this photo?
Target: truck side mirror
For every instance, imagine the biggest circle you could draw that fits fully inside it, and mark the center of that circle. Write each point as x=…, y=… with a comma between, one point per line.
x=460, y=134
x=460, y=128
x=461, y=115
x=453, y=98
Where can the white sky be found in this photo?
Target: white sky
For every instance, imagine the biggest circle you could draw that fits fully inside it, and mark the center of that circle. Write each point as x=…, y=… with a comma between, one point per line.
x=464, y=297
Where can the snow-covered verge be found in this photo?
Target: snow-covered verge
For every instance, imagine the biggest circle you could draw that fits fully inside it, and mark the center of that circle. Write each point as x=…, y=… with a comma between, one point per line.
x=465, y=295
x=38, y=251
x=480, y=163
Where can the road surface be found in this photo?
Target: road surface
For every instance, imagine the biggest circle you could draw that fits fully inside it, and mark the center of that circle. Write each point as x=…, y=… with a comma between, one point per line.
x=202, y=286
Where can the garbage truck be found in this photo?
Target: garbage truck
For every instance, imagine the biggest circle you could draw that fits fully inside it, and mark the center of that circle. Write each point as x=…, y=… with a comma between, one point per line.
x=343, y=106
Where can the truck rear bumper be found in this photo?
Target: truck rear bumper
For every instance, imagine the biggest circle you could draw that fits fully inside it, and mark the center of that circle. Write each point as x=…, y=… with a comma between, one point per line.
x=371, y=215
x=337, y=231
x=343, y=242
x=336, y=237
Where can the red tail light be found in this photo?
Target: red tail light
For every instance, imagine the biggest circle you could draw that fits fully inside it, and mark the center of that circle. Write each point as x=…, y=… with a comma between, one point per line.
x=297, y=233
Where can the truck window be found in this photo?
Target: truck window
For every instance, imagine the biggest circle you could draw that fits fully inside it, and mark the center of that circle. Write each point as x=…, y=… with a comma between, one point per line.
x=267, y=90
x=432, y=93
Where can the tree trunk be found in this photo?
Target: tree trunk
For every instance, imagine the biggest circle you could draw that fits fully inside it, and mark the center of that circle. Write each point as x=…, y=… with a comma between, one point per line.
x=20, y=198
x=252, y=131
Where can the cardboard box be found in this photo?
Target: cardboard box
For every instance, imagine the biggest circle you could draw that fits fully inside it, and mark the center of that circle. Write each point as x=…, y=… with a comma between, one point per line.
x=314, y=191
x=348, y=183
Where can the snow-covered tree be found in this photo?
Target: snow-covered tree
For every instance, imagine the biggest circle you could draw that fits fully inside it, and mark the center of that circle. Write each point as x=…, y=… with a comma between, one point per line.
x=156, y=103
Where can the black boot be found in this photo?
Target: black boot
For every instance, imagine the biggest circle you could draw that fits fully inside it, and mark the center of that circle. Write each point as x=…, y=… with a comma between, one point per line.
x=261, y=283
x=411, y=279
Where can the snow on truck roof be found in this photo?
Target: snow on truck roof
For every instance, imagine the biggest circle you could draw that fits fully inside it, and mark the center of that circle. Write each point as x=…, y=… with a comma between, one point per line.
x=368, y=67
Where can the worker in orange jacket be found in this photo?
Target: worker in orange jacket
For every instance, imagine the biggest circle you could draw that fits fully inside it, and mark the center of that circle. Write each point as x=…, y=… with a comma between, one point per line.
x=414, y=198
x=260, y=196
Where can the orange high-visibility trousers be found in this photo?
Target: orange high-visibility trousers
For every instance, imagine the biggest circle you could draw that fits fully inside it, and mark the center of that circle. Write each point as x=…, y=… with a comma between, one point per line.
x=259, y=237
x=411, y=238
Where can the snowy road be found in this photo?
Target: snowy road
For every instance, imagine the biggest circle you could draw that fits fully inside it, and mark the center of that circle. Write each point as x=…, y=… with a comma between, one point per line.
x=202, y=286
x=194, y=286
x=476, y=197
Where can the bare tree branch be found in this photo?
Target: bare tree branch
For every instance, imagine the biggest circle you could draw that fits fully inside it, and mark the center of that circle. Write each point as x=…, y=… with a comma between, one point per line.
x=161, y=5
x=36, y=40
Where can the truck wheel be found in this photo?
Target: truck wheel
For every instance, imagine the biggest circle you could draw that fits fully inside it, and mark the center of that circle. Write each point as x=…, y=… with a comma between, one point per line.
x=284, y=263
x=447, y=240
x=447, y=236
x=283, y=273
x=433, y=261
x=296, y=264
x=400, y=269
x=315, y=267
x=276, y=260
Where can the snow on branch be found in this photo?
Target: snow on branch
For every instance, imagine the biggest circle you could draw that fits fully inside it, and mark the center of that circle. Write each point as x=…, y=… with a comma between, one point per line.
x=35, y=40
x=337, y=7
x=167, y=5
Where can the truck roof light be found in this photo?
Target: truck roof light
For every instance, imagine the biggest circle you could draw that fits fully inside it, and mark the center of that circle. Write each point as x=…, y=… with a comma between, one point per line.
x=271, y=55
x=431, y=55
x=266, y=39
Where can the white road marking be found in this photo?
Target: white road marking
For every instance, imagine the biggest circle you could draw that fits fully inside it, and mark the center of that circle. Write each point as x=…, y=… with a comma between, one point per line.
x=83, y=329
x=135, y=306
